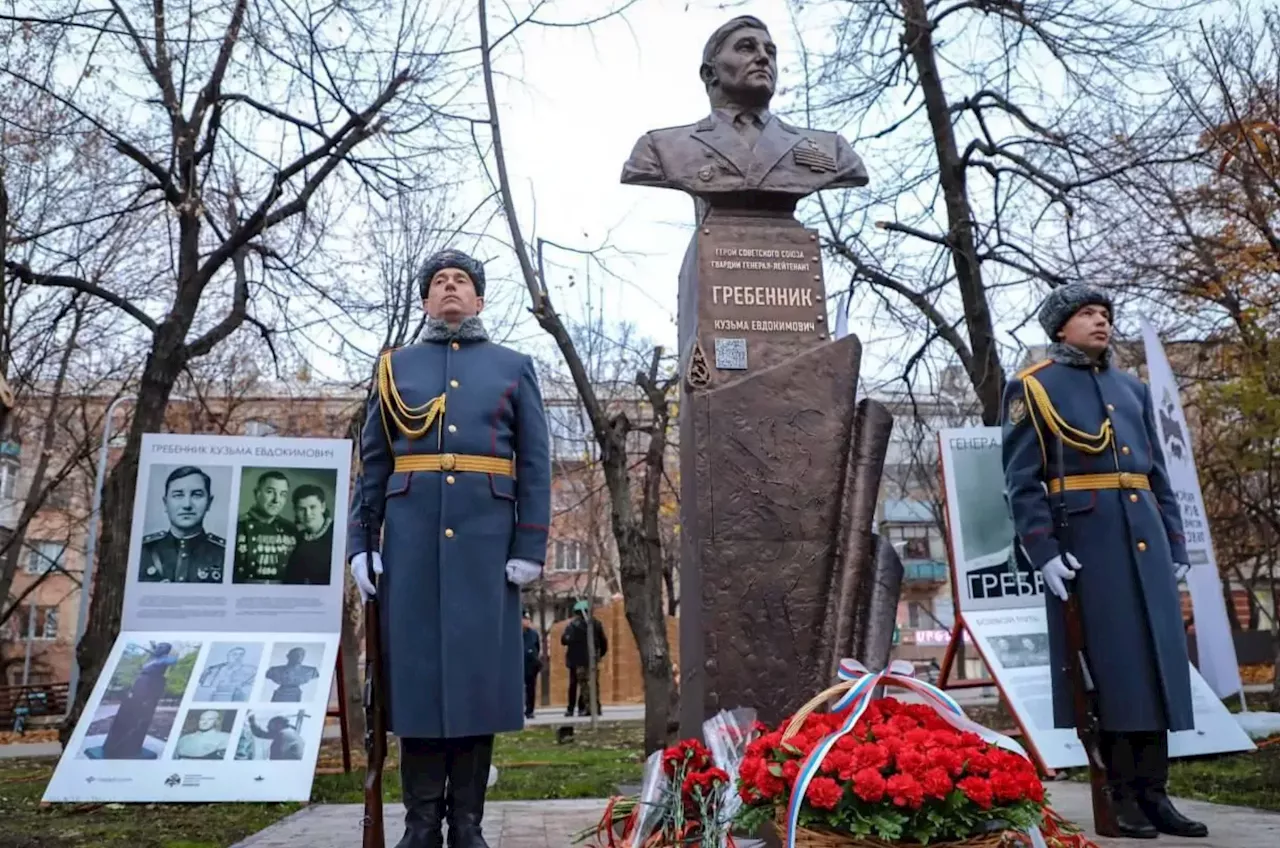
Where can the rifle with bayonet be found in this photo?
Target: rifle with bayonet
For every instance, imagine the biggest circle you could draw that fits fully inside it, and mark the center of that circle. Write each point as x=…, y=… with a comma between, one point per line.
x=375, y=729
x=1084, y=696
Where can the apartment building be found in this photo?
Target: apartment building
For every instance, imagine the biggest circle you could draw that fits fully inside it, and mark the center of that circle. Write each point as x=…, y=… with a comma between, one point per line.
x=44, y=604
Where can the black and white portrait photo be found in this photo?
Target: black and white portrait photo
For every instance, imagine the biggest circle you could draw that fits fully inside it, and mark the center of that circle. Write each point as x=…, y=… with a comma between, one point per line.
x=273, y=735
x=206, y=735
x=1022, y=650
x=293, y=673
x=229, y=672
x=184, y=527
x=284, y=534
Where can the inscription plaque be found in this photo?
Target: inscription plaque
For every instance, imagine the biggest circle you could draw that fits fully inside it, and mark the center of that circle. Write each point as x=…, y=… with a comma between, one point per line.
x=731, y=354
x=761, y=283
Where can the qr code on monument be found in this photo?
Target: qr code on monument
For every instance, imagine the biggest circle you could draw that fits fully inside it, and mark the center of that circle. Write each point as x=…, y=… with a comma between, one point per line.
x=731, y=354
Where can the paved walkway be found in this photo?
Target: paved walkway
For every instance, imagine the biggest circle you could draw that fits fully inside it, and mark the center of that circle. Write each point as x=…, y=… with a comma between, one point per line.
x=511, y=824
x=1229, y=827
x=551, y=824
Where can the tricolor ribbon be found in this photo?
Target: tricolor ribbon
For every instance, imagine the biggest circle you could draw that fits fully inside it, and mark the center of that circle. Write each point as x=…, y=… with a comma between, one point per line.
x=858, y=697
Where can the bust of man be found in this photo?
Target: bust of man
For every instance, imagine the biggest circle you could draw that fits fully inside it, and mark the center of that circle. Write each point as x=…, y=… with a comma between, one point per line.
x=741, y=155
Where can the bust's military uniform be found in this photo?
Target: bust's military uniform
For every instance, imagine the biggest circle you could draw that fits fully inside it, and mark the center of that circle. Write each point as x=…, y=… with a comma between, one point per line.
x=263, y=547
x=1126, y=532
x=711, y=157
x=167, y=558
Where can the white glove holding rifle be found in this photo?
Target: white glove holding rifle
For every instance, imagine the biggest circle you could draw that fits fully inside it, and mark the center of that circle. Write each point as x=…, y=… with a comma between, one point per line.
x=360, y=573
x=1057, y=571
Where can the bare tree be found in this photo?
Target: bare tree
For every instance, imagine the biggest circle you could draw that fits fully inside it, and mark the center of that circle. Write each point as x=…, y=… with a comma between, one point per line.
x=634, y=520
x=224, y=134
x=1201, y=243
x=987, y=125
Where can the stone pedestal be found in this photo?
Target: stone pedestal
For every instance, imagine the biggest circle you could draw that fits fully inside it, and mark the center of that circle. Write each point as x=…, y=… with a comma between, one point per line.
x=766, y=428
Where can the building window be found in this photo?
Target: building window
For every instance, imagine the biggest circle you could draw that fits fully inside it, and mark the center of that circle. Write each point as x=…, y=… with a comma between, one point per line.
x=8, y=477
x=58, y=496
x=258, y=428
x=571, y=435
x=918, y=615
x=42, y=556
x=570, y=556
x=916, y=548
x=41, y=623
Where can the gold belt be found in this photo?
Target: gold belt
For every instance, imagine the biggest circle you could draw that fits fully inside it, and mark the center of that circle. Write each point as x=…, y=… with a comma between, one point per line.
x=1089, y=482
x=455, y=462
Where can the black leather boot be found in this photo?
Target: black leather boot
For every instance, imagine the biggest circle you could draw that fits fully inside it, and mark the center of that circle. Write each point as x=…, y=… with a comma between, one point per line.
x=1151, y=754
x=468, y=782
x=1117, y=752
x=423, y=769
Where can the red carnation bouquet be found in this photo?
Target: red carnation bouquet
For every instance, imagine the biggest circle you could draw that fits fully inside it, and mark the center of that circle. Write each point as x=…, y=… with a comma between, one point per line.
x=903, y=775
x=688, y=797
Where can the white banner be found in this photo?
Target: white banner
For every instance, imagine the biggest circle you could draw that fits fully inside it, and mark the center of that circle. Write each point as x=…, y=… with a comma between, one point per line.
x=217, y=687
x=979, y=526
x=1215, y=648
x=1014, y=643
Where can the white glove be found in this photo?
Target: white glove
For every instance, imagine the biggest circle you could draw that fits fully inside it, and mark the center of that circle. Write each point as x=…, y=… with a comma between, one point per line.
x=1180, y=570
x=1059, y=570
x=522, y=572
x=360, y=573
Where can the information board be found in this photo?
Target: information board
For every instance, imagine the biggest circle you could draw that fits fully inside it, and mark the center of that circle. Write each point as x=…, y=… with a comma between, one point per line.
x=217, y=687
x=1001, y=605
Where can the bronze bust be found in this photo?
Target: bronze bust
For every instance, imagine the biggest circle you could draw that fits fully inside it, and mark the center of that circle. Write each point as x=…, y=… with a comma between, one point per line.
x=741, y=154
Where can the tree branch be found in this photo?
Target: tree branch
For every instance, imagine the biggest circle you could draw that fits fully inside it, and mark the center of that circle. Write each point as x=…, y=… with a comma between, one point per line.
x=27, y=275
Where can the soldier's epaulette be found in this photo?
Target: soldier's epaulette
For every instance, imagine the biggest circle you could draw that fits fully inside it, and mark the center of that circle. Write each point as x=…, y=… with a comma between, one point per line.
x=151, y=537
x=216, y=538
x=1031, y=369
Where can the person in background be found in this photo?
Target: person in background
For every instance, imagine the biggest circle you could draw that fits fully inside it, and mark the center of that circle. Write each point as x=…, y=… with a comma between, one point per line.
x=577, y=658
x=532, y=663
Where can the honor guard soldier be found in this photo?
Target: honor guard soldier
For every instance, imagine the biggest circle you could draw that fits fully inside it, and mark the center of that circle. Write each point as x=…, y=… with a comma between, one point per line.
x=186, y=552
x=1127, y=551
x=265, y=539
x=456, y=474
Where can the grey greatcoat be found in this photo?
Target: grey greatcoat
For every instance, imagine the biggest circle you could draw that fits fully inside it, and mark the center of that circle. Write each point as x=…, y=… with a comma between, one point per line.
x=452, y=640
x=1127, y=539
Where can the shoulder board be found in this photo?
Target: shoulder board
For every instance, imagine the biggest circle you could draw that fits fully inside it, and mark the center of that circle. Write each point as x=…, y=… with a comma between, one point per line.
x=1031, y=369
x=214, y=537
x=678, y=127
x=152, y=537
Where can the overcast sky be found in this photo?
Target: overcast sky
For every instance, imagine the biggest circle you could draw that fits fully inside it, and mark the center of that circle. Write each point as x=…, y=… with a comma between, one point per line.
x=573, y=102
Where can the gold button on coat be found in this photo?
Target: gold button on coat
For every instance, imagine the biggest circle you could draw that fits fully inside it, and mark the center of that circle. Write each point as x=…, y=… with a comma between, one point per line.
x=453, y=428
x=455, y=345
x=1111, y=407
x=1125, y=450
x=1133, y=498
x=448, y=533
x=453, y=383
x=449, y=480
x=1142, y=546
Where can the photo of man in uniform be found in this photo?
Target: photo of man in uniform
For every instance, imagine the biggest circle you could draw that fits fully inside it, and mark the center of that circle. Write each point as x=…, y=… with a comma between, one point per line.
x=229, y=673
x=265, y=539
x=311, y=561
x=185, y=552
